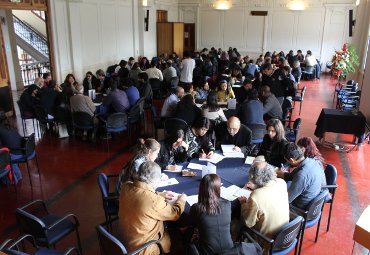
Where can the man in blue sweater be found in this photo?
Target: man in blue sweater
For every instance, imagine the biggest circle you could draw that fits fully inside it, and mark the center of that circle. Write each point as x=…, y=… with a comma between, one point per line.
x=307, y=178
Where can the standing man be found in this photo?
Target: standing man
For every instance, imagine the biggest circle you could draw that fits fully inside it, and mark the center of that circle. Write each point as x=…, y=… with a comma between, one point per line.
x=187, y=67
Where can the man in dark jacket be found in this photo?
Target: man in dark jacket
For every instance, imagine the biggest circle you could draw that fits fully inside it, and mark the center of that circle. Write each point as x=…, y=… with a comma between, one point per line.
x=271, y=106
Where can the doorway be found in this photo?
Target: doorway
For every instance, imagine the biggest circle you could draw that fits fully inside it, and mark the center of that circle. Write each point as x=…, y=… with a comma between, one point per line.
x=189, y=37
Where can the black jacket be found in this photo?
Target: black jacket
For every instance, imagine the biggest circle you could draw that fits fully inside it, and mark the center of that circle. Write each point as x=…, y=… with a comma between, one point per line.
x=242, y=139
x=273, y=151
x=167, y=156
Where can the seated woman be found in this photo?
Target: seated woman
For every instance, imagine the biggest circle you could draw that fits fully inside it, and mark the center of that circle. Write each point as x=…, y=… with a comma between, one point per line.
x=89, y=82
x=173, y=150
x=212, y=110
x=143, y=211
x=273, y=143
x=225, y=91
x=202, y=92
x=10, y=138
x=69, y=83
x=187, y=110
x=200, y=145
x=267, y=208
x=309, y=149
x=212, y=217
x=147, y=150
x=28, y=100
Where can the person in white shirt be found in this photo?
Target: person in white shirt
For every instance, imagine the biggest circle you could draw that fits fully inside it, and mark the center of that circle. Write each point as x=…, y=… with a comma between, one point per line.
x=169, y=72
x=187, y=67
x=170, y=104
x=310, y=60
x=154, y=72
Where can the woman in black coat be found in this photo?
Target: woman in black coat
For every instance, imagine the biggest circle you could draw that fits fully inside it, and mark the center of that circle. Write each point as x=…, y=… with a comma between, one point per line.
x=173, y=151
x=187, y=110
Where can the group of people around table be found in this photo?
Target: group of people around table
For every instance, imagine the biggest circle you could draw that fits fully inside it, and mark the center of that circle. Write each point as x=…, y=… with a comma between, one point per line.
x=283, y=173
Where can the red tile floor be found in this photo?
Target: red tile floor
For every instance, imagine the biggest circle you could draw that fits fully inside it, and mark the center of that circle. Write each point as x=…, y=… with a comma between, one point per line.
x=69, y=169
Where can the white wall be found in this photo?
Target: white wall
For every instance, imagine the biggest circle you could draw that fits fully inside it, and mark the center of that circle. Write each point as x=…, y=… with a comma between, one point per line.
x=322, y=27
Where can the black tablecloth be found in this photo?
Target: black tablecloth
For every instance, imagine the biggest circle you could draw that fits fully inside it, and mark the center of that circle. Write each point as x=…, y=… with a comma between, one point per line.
x=233, y=171
x=343, y=122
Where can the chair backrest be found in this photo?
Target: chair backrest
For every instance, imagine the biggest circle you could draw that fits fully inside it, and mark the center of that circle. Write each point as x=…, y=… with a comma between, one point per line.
x=286, y=107
x=103, y=185
x=82, y=119
x=297, y=125
x=174, y=82
x=258, y=130
x=155, y=83
x=173, y=124
x=354, y=87
x=30, y=144
x=286, y=235
x=117, y=120
x=350, y=82
x=29, y=224
x=62, y=115
x=4, y=160
x=108, y=243
x=136, y=111
x=315, y=206
x=331, y=176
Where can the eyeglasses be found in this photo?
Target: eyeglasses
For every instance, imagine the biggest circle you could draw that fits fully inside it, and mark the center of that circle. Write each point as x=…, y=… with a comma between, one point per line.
x=234, y=130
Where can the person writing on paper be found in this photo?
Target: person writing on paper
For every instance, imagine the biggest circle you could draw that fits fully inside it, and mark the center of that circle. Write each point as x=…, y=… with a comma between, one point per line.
x=233, y=132
x=273, y=143
x=224, y=91
x=200, y=145
x=173, y=150
x=267, y=208
x=143, y=211
x=212, y=216
x=147, y=150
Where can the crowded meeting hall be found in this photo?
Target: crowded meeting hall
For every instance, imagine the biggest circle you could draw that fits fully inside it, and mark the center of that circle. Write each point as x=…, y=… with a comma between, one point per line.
x=184, y=127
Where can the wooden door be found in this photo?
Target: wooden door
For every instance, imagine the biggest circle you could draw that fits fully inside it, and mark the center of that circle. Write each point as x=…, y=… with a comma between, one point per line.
x=164, y=38
x=189, y=37
x=5, y=91
x=178, y=38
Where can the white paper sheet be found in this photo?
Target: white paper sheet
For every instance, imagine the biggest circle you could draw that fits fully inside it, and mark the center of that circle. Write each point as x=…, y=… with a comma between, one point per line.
x=242, y=193
x=231, y=103
x=249, y=160
x=215, y=158
x=195, y=166
x=174, y=171
x=192, y=199
x=208, y=169
x=227, y=148
x=228, y=193
x=168, y=182
x=234, y=155
x=174, y=198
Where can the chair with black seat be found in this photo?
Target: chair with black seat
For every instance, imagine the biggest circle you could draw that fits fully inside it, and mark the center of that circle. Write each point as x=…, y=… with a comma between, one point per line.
x=308, y=73
x=5, y=166
x=156, y=122
x=345, y=93
x=47, y=229
x=349, y=101
x=25, y=117
x=291, y=134
x=331, y=184
x=27, y=152
x=14, y=247
x=110, y=199
x=312, y=214
x=83, y=121
x=339, y=86
x=45, y=120
x=173, y=124
x=258, y=132
x=63, y=116
x=156, y=85
x=285, y=239
x=299, y=98
x=287, y=108
x=109, y=244
x=135, y=115
x=116, y=123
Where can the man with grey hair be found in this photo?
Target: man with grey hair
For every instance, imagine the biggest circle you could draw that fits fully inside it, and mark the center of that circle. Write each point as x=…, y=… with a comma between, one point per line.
x=267, y=208
x=170, y=104
x=81, y=103
x=142, y=211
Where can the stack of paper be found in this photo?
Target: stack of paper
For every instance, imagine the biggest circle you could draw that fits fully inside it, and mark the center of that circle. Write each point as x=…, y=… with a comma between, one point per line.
x=177, y=170
x=208, y=169
x=215, y=158
x=233, y=192
x=249, y=160
x=229, y=152
x=195, y=166
x=168, y=182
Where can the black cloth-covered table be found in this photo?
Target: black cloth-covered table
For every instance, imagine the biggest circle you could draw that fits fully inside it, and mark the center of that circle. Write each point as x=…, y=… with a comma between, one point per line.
x=343, y=122
x=233, y=171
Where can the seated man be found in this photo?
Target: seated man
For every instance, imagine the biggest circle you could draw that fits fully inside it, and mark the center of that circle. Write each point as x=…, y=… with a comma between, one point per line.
x=82, y=103
x=271, y=106
x=242, y=94
x=132, y=92
x=170, y=104
x=117, y=99
x=307, y=178
x=143, y=211
x=102, y=82
x=233, y=132
x=267, y=208
x=251, y=111
x=144, y=88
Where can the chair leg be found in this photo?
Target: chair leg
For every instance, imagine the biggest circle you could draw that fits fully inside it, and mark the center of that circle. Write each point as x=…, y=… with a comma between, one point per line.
x=37, y=164
x=29, y=173
x=15, y=185
x=301, y=241
x=331, y=207
x=78, y=240
x=300, y=107
x=24, y=127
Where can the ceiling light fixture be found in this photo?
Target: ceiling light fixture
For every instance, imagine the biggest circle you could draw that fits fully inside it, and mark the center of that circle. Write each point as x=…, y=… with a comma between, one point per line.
x=297, y=5
x=222, y=5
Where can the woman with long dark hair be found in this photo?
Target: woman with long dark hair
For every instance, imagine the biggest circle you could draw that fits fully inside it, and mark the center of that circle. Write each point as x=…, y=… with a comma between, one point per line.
x=273, y=143
x=309, y=149
x=212, y=110
x=200, y=145
x=212, y=217
x=187, y=110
